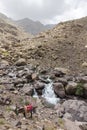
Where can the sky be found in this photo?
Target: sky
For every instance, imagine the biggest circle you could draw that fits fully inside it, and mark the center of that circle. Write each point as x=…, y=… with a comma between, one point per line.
x=45, y=11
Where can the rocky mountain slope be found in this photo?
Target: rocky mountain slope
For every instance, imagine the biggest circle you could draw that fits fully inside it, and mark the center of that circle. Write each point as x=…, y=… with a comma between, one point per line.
x=29, y=64
x=11, y=38
x=65, y=46
x=33, y=27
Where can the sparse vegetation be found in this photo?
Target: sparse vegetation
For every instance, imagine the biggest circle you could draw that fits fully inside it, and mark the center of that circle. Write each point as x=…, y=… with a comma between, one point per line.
x=2, y=121
x=79, y=90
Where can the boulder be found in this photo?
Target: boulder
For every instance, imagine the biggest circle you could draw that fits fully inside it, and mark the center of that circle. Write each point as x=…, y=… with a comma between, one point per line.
x=71, y=88
x=39, y=86
x=77, y=109
x=59, y=89
x=62, y=80
x=20, y=62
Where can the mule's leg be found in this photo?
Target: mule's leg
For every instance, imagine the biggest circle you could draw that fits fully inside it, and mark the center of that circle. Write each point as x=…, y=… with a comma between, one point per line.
x=31, y=113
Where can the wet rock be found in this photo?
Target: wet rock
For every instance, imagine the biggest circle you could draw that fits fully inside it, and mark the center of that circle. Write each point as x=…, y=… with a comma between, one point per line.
x=71, y=88
x=20, y=62
x=46, y=103
x=59, y=89
x=44, y=79
x=39, y=85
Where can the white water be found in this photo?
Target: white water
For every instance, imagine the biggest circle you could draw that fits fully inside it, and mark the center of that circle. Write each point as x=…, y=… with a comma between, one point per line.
x=35, y=94
x=49, y=94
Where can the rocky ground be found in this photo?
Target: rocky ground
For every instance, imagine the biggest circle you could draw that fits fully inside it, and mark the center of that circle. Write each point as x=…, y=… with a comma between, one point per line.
x=17, y=85
x=63, y=46
x=27, y=62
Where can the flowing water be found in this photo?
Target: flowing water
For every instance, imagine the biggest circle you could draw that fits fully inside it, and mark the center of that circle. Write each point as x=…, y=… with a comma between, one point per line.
x=48, y=93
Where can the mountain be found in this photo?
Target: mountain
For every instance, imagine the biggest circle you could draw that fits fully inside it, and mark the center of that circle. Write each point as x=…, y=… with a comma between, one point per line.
x=63, y=46
x=11, y=39
x=33, y=27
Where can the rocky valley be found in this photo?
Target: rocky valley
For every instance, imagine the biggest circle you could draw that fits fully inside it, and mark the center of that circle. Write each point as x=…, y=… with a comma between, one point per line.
x=48, y=70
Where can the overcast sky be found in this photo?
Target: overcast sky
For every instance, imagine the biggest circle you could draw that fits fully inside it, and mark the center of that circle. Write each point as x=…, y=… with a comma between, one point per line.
x=46, y=11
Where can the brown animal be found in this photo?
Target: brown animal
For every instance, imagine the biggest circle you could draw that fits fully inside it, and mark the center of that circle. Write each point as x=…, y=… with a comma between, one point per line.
x=26, y=109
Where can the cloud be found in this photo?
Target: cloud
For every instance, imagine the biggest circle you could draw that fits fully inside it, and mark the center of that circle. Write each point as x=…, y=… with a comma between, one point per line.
x=46, y=11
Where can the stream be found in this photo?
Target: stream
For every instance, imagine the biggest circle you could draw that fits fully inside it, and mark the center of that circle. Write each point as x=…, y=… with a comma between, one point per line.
x=48, y=93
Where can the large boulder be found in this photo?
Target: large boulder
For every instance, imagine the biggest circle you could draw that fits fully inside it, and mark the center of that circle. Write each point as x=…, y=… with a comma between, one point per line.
x=59, y=89
x=71, y=88
x=77, y=109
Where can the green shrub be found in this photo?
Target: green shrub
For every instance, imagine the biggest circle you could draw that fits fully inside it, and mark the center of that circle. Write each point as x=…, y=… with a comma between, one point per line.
x=79, y=89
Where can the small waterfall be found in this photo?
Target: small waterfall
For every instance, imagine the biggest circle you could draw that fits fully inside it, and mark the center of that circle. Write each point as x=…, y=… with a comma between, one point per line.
x=35, y=94
x=49, y=94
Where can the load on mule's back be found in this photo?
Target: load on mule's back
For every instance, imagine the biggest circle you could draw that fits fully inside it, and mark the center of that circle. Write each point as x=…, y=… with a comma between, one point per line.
x=26, y=109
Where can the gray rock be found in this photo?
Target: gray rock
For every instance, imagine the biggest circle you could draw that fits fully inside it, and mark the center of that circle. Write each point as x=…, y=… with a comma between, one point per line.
x=71, y=88
x=77, y=109
x=59, y=89
x=39, y=85
x=62, y=80
x=27, y=90
x=82, y=79
x=18, y=82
